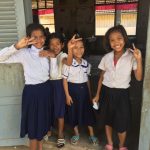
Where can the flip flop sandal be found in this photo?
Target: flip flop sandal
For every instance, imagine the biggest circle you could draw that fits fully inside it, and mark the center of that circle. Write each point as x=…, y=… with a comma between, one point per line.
x=45, y=138
x=93, y=140
x=108, y=147
x=60, y=143
x=75, y=139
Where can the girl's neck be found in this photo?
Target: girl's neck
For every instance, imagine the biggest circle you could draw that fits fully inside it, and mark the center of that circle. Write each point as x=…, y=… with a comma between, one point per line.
x=58, y=53
x=79, y=60
x=118, y=54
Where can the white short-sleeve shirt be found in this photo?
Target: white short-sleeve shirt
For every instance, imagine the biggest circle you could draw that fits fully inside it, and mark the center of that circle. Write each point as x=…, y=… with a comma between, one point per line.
x=36, y=69
x=118, y=76
x=59, y=59
x=77, y=73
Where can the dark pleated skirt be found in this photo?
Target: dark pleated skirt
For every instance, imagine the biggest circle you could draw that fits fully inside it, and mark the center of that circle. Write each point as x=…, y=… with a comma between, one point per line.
x=117, y=107
x=81, y=111
x=59, y=99
x=37, y=114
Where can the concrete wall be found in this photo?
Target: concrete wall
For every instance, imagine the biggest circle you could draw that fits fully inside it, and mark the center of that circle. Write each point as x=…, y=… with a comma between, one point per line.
x=11, y=86
x=11, y=75
x=144, y=141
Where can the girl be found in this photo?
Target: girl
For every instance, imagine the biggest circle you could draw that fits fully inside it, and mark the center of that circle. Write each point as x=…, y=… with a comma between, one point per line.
x=76, y=86
x=56, y=44
x=36, y=112
x=113, y=84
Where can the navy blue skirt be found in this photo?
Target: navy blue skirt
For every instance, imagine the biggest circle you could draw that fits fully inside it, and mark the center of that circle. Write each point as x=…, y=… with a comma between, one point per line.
x=59, y=99
x=37, y=117
x=81, y=111
x=117, y=107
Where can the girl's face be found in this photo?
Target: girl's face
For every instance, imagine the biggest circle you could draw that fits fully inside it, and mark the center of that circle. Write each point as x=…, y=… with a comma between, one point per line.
x=116, y=41
x=39, y=37
x=56, y=45
x=78, y=50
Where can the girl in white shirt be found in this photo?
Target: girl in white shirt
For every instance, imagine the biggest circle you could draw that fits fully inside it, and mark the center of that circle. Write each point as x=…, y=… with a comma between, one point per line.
x=113, y=85
x=36, y=98
x=77, y=90
x=56, y=44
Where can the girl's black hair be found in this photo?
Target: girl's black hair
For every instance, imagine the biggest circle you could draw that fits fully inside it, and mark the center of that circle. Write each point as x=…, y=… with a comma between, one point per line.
x=34, y=26
x=57, y=36
x=120, y=29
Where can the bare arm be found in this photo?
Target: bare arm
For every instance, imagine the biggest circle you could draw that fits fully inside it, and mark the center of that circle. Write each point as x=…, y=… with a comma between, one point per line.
x=96, y=98
x=139, y=71
x=71, y=44
x=68, y=97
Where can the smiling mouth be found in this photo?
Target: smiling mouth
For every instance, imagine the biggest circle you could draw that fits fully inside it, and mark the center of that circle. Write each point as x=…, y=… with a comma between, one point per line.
x=117, y=47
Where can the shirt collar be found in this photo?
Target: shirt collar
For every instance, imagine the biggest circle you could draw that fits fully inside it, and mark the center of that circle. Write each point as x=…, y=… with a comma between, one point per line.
x=59, y=54
x=75, y=63
x=34, y=49
x=123, y=55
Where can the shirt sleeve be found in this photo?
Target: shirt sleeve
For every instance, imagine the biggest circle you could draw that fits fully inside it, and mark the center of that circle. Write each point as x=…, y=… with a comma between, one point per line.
x=10, y=55
x=89, y=69
x=64, y=55
x=53, y=68
x=134, y=64
x=65, y=71
x=102, y=64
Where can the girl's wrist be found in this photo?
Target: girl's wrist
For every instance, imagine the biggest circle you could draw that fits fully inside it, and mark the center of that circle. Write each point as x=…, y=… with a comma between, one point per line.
x=70, y=50
x=16, y=46
x=97, y=95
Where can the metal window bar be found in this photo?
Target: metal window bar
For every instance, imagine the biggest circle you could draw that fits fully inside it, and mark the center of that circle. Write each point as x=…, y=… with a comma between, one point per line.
x=107, y=15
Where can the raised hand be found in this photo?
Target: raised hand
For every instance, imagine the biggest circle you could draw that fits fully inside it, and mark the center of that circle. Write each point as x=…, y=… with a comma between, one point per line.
x=72, y=43
x=46, y=53
x=137, y=53
x=24, y=42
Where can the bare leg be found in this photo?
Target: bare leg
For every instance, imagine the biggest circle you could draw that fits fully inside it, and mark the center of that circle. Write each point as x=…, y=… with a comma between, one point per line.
x=122, y=138
x=76, y=130
x=40, y=145
x=49, y=133
x=60, y=127
x=108, y=130
x=33, y=144
x=91, y=131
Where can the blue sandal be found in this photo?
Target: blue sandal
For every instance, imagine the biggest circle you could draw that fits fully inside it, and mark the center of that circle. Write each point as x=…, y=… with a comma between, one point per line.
x=93, y=140
x=75, y=139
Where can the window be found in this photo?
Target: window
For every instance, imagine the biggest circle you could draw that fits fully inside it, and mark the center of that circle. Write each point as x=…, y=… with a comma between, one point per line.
x=44, y=13
x=111, y=12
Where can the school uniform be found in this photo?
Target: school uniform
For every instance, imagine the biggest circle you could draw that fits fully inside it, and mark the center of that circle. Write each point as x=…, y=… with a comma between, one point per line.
x=36, y=117
x=58, y=94
x=81, y=111
x=115, y=89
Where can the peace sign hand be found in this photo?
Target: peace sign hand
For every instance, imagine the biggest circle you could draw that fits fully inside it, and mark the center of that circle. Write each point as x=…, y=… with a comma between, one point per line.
x=24, y=42
x=137, y=53
x=72, y=43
